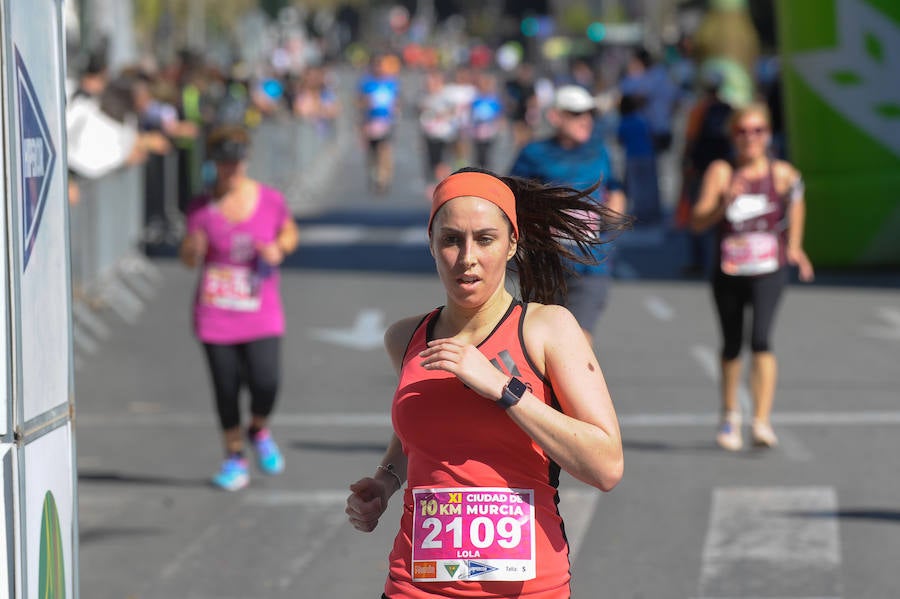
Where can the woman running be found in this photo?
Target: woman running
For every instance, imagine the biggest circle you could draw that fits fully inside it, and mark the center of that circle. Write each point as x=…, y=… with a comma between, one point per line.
x=758, y=209
x=238, y=234
x=495, y=396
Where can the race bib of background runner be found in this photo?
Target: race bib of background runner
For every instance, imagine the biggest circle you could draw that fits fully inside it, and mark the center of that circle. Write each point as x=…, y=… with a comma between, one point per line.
x=473, y=534
x=748, y=254
x=229, y=288
x=377, y=128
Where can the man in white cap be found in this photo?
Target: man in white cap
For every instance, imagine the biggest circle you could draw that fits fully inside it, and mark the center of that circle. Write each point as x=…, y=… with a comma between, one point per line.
x=576, y=156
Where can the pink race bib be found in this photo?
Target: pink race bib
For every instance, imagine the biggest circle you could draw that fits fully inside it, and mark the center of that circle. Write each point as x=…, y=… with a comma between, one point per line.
x=748, y=254
x=473, y=534
x=229, y=288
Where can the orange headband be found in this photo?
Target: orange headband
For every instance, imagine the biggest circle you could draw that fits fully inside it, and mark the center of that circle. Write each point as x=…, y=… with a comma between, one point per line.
x=479, y=185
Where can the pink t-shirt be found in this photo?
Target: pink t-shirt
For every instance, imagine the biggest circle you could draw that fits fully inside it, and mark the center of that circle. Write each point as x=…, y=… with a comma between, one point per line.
x=238, y=297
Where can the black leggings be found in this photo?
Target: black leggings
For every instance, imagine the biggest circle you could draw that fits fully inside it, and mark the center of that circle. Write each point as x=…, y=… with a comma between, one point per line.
x=254, y=364
x=732, y=294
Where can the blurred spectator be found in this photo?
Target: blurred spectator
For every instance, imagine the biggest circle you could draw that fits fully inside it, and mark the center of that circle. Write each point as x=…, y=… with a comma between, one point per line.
x=575, y=156
x=317, y=102
x=101, y=125
x=650, y=80
x=706, y=140
x=641, y=180
x=156, y=115
x=522, y=107
x=234, y=105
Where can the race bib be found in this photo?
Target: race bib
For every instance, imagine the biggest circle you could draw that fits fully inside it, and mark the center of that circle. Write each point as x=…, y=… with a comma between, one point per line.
x=748, y=254
x=473, y=534
x=229, y=288
x=376, y=129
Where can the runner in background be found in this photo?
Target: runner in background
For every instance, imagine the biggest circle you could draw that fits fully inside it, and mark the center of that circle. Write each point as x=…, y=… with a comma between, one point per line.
x=522, y=104
x=487, y=118
x=437, y=118
x=576, y=156
x=495, y=397
x=461, y=92
x=378, y=103
x=238, y=234
x=758, y=209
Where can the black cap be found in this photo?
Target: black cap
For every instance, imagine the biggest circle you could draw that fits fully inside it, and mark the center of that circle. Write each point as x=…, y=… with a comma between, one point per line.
x=228, y=150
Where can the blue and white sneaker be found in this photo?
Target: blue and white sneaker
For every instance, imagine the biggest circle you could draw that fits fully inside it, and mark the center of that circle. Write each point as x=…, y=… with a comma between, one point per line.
x=233, y=475
x=268, y=456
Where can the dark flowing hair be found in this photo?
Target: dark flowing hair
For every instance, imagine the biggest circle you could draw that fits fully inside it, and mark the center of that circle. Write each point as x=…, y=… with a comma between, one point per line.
x=558, y=226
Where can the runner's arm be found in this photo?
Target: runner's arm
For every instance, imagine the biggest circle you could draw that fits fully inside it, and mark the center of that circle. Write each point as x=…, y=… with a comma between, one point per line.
x=710, y=208
x=796, y=226
x=583, y=438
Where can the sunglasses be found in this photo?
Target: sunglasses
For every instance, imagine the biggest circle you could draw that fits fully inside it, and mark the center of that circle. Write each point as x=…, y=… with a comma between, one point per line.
x=748, y=131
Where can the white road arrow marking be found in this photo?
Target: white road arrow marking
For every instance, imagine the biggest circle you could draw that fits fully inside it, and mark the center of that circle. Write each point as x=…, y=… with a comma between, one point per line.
x=891, y=316
x=367, y=332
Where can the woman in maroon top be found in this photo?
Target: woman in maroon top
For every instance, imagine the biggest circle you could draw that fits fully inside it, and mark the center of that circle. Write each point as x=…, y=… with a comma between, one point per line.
x=758, y=208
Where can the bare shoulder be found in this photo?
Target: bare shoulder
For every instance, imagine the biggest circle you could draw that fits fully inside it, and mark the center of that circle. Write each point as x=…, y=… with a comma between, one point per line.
x=397, y=336
x=785, y=174
x=546, y=323
x=547, y=314
x=719, y=172
x=720, y=168
x=785, y=170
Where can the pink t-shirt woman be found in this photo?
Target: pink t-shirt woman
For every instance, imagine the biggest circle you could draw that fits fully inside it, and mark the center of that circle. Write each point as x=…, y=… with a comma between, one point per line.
x=238, y=297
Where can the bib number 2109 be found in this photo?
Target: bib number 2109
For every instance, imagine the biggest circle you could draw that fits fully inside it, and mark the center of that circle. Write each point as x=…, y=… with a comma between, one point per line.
x=473, y=533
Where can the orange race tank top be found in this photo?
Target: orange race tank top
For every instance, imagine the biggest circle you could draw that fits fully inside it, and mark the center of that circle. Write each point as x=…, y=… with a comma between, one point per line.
x=480, y=515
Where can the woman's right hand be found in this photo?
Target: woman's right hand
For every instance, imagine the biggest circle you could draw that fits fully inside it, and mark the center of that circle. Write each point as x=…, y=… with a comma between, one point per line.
x=193, y=248
x=367, y=502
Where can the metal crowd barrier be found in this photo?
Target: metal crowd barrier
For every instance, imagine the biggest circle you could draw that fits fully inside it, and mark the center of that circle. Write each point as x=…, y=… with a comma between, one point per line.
x=105, y=231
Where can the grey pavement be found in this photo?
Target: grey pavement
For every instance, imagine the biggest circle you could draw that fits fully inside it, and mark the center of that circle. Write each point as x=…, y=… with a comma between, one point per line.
x=818, y=517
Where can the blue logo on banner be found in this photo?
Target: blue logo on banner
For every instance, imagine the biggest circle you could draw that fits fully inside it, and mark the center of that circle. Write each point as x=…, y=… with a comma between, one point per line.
x=36, y=155
x=477, y=569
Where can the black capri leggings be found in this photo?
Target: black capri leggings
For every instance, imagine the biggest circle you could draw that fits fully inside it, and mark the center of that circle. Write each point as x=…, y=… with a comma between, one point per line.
x=732, y=294
x=255, y=364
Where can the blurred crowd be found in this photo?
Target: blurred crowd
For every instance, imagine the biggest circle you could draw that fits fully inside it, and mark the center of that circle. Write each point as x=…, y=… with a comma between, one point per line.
x=138, y=114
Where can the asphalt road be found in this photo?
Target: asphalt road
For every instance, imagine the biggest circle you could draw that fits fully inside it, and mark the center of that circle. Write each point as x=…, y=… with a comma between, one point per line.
x=819, y=517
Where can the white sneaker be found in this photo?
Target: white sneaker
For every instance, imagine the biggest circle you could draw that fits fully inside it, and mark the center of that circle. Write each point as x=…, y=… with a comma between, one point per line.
x=729, y=435
x=763, y=435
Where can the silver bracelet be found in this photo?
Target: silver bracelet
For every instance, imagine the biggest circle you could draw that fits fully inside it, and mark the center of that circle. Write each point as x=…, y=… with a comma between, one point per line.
x=389, y=468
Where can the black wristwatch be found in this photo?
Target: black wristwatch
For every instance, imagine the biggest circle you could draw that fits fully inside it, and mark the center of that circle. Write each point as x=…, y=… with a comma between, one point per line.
x=512, y=393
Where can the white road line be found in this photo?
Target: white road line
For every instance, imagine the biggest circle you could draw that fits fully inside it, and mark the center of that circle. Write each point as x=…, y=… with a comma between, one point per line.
x=379, y=419
x=332, y=234
x=659, y=308
x=772, y=541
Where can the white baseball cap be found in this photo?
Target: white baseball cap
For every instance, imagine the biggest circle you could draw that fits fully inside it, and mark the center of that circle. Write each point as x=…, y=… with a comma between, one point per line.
x=573, y=98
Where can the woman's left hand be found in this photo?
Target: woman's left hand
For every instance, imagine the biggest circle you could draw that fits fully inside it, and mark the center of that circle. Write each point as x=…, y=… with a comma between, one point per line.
x=468, y=364
x=270, y=253
x=797, y=257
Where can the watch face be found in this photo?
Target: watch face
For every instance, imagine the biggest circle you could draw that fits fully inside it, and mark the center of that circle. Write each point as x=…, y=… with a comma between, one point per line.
x=516, y=387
